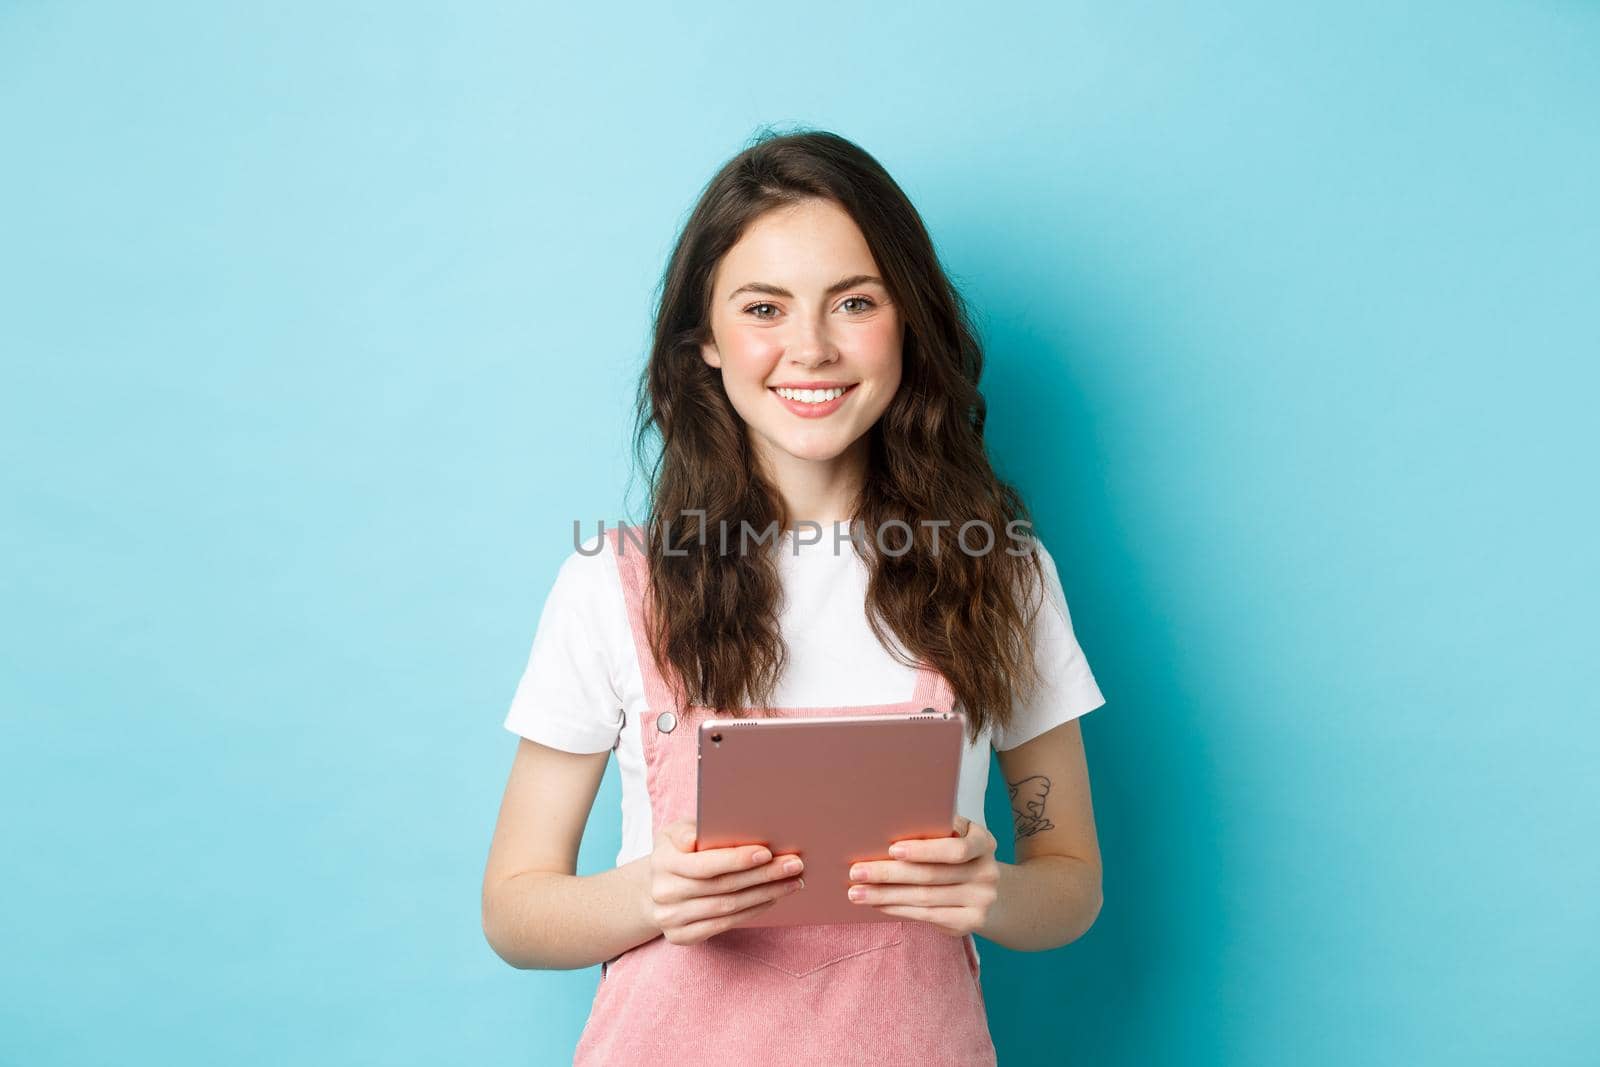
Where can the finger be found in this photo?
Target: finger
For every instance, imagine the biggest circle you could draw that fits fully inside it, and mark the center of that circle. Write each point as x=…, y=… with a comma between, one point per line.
x=969, y=841
x=678, y=836
x=907, y=872
x=710, y=907
x=677, y=887
x=923, y=896
x=948, y=920
x=681, y=834
x=699, y=931
x=711, y=862
x=932, y=850
x=683, y=859
x=975, y=840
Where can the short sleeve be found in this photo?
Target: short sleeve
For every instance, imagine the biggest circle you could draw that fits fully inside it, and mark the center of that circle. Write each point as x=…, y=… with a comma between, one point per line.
x=567, y=697
x=1067, y=687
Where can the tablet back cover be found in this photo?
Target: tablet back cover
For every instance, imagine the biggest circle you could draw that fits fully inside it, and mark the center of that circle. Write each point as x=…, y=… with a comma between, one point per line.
x=834, y=789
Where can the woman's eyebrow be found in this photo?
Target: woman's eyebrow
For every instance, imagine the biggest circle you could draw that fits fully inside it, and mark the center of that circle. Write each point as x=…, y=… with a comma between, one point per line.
x=837, y=287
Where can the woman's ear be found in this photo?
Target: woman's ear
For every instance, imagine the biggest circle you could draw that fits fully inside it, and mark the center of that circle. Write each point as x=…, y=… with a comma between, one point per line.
x=709, y=353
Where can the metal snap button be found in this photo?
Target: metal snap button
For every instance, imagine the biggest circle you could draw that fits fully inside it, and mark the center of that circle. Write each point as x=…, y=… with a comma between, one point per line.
x=666, y=721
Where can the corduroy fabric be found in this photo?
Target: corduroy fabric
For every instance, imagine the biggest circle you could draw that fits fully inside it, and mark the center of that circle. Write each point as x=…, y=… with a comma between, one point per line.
x=881, y=993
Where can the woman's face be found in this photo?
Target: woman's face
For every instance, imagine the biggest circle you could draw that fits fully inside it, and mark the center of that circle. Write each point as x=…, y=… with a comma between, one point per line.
x=798, y=302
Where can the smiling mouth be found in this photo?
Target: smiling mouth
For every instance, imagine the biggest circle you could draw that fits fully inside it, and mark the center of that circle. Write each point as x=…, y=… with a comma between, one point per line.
x=814, y=396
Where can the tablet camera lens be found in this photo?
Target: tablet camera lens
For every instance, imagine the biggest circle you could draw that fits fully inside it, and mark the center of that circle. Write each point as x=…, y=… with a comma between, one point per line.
x=716, y=739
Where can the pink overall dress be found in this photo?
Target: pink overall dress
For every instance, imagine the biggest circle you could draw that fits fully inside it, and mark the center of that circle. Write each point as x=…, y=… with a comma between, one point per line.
x=880, y=993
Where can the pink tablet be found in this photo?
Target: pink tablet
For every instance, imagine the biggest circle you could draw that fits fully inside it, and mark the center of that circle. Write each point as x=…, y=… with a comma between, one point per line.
x=834, y=789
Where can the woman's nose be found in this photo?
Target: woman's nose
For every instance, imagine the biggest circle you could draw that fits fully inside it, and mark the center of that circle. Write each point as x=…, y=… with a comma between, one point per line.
x=811, y=346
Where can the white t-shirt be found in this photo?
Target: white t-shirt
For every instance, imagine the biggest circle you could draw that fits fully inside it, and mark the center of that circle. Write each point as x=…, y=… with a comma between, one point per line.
x=582, y=689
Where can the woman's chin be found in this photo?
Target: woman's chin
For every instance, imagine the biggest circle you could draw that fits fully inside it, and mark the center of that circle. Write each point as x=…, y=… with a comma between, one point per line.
x=821, y=448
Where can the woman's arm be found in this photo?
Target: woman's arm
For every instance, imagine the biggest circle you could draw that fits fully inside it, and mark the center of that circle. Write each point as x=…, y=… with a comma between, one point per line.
x=1051, y=895
x=536, y=912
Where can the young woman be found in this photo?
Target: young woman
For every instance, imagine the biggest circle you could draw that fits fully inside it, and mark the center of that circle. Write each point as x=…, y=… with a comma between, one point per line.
x=813, y=371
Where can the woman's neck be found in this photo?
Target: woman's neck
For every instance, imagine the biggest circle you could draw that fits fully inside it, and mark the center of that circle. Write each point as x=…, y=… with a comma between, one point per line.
x=824, y=492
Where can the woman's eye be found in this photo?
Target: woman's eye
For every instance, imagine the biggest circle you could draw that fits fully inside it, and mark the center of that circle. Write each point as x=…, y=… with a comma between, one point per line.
x=865, y=302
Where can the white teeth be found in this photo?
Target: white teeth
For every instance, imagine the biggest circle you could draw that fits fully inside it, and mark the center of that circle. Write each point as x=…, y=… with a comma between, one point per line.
x=810, y=396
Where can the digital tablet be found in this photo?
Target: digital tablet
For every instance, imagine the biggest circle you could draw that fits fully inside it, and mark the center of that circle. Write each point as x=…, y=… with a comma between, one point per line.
x=834, y=790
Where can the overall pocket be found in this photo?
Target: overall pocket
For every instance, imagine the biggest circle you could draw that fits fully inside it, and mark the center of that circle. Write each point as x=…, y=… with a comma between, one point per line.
x=801, y=950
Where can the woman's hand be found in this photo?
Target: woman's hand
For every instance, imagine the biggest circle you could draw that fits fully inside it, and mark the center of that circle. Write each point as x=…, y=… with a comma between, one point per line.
x=693, y=895
x=950, y=882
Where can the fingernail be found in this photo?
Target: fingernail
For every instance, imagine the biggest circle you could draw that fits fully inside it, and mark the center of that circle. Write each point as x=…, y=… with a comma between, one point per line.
x=858, y=873
x=799, y=883
x=897, y=852
x=792, y=866
x=761, y=856
x=856, y=892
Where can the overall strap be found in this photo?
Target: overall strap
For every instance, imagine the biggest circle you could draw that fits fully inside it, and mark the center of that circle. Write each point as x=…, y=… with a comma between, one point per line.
x=633, y=566
x=933, y=690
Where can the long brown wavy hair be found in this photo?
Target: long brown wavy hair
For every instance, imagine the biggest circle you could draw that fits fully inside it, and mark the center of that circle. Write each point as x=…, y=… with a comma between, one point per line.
x=714, y=615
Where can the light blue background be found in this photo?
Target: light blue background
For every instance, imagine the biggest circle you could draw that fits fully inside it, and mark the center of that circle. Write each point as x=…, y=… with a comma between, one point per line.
x=319, y=328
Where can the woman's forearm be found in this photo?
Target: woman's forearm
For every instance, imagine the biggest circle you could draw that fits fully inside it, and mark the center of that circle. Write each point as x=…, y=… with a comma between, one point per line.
x=553, y=921
x=1043, y=903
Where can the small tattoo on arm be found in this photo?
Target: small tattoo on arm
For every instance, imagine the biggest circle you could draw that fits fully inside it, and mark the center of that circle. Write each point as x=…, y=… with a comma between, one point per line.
x=1027, y=805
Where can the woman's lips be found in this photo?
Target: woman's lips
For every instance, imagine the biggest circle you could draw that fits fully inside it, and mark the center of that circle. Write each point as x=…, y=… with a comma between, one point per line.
x=814, y=411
